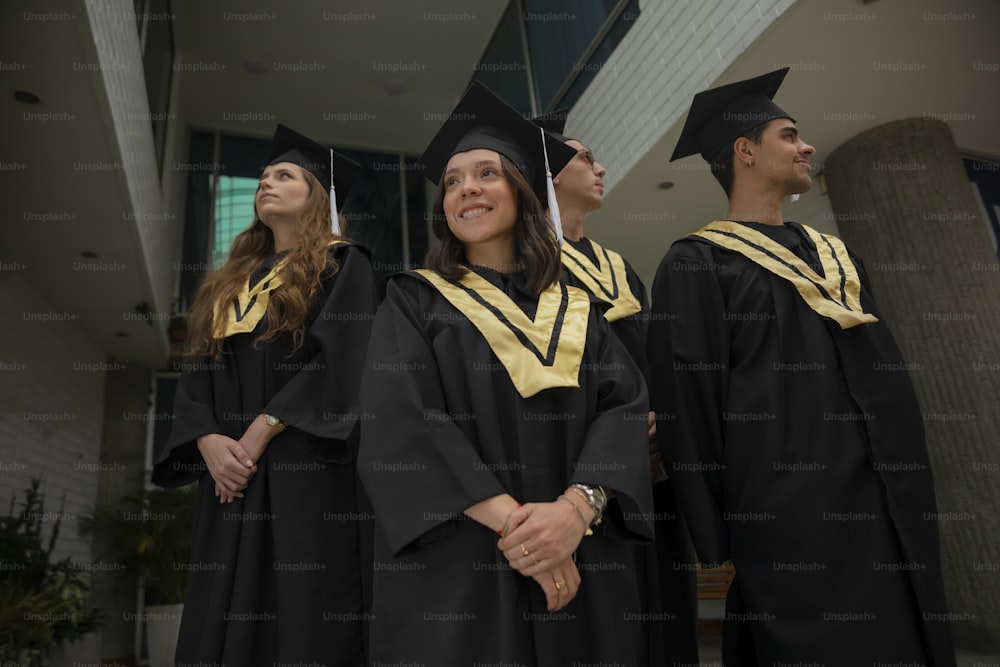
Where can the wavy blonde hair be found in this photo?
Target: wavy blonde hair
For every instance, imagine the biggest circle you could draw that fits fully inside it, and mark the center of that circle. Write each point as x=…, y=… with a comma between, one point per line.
x=301, y=276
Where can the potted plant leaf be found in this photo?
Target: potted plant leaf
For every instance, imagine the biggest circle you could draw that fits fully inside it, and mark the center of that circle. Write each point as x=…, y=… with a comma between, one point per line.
x=43, y=602
x=150, y=535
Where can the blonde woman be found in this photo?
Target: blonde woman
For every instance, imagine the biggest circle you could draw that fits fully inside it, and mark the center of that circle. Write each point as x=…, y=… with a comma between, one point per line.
x=265, y=423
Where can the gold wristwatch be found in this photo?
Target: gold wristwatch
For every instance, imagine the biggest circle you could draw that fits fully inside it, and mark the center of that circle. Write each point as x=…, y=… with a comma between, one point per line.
x=596, y=498
x=275, y=423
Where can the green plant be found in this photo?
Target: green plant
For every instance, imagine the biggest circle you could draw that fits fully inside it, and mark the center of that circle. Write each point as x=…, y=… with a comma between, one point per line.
x=43, y=603
x=150, y=535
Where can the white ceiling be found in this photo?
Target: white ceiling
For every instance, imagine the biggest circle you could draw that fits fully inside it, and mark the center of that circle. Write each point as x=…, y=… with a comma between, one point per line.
x=72, y=174
x=350, y=52
x=71, y=197
x=327, y=64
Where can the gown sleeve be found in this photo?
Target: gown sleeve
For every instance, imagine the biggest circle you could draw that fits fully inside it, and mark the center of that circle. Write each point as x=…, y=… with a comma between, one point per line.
x=180, y=462
x=640, y=323
x=615, y=454
x=323, y=397
x=417, y=466
x=639, y=290
x=688, y=349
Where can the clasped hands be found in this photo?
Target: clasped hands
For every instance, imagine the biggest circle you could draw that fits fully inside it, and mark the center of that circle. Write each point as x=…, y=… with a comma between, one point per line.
x=539, y=541
x=232, y=463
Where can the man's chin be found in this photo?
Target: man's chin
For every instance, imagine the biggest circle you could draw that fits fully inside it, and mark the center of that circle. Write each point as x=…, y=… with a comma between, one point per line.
x=800, y=187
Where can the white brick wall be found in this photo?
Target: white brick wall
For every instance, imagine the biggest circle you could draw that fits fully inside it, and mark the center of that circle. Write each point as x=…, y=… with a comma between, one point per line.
x=644, y=88
x=51, y=413
x=51, y=409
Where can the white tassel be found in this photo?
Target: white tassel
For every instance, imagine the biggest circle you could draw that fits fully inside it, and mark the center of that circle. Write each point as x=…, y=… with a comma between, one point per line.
x=551, y=194
x=334, y=220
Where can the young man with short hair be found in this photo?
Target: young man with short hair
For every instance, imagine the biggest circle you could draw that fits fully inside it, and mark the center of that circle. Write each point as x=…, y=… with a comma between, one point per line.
x=797, y=450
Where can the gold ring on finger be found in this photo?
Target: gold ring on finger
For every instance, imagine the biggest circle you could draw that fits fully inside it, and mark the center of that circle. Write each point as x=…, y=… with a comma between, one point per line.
x=524, y=551
x=533, y=559
x=559, y=585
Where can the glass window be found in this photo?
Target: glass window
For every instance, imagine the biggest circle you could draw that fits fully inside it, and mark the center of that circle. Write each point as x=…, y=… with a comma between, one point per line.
x=559, y=32
x=155, y=25
x=196, y=246
x=985, y=177
x=586, y=71
x=568, y=42
x=416, y=208
x=374, y=214
x=233, y=213
x=502, y=68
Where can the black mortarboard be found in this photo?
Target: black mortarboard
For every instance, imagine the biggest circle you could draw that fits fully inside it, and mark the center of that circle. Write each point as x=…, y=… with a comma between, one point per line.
x=290, y=146
x=553, y=122
x=719, y=116
x=483, y=120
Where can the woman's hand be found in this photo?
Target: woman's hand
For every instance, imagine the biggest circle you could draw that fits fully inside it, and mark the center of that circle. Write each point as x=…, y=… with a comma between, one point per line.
x=225, y=496
x=228, y=464
x=542, y=535
x=560, y=584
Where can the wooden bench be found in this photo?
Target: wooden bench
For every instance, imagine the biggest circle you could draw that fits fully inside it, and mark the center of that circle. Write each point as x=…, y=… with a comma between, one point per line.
x=713, y=584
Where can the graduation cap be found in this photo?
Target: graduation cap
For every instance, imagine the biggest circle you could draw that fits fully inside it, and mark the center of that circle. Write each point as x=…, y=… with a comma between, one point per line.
x=483, y=120
x=720, y=115
x=553, y=122
x=320, y=161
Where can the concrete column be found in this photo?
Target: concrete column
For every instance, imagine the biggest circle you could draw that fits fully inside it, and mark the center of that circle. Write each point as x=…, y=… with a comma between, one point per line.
x=904, y=203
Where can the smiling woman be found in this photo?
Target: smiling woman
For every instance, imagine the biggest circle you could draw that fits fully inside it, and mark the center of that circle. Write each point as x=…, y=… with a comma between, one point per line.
x=486, y=214
x=479, y=206
x=500, y=404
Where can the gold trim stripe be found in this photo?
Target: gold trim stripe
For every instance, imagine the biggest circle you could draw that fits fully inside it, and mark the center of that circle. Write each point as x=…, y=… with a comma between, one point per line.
x=249, y=306
x=537, y=354
x=836, y=294
x=607, y=280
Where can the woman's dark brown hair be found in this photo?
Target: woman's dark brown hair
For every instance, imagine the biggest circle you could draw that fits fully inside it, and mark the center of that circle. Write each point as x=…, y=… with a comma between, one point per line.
x=301, y=277
x=537, y=252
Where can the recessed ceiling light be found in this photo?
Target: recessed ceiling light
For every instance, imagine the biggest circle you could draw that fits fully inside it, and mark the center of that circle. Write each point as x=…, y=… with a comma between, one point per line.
x=395, y=86
x=89, y=254
x=255, y=65
x=26, y=96
x=666, y=185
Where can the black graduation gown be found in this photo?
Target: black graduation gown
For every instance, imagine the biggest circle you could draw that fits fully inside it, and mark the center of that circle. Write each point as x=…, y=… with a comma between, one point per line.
x=669, y=571
x=449, y=430
x=277, y=575
x=797, y=450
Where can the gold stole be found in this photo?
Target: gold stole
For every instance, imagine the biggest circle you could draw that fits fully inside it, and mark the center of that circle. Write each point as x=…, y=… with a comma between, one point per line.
x=607, y=280
x=538, y=354
x=836, y=294
x=250, y=305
